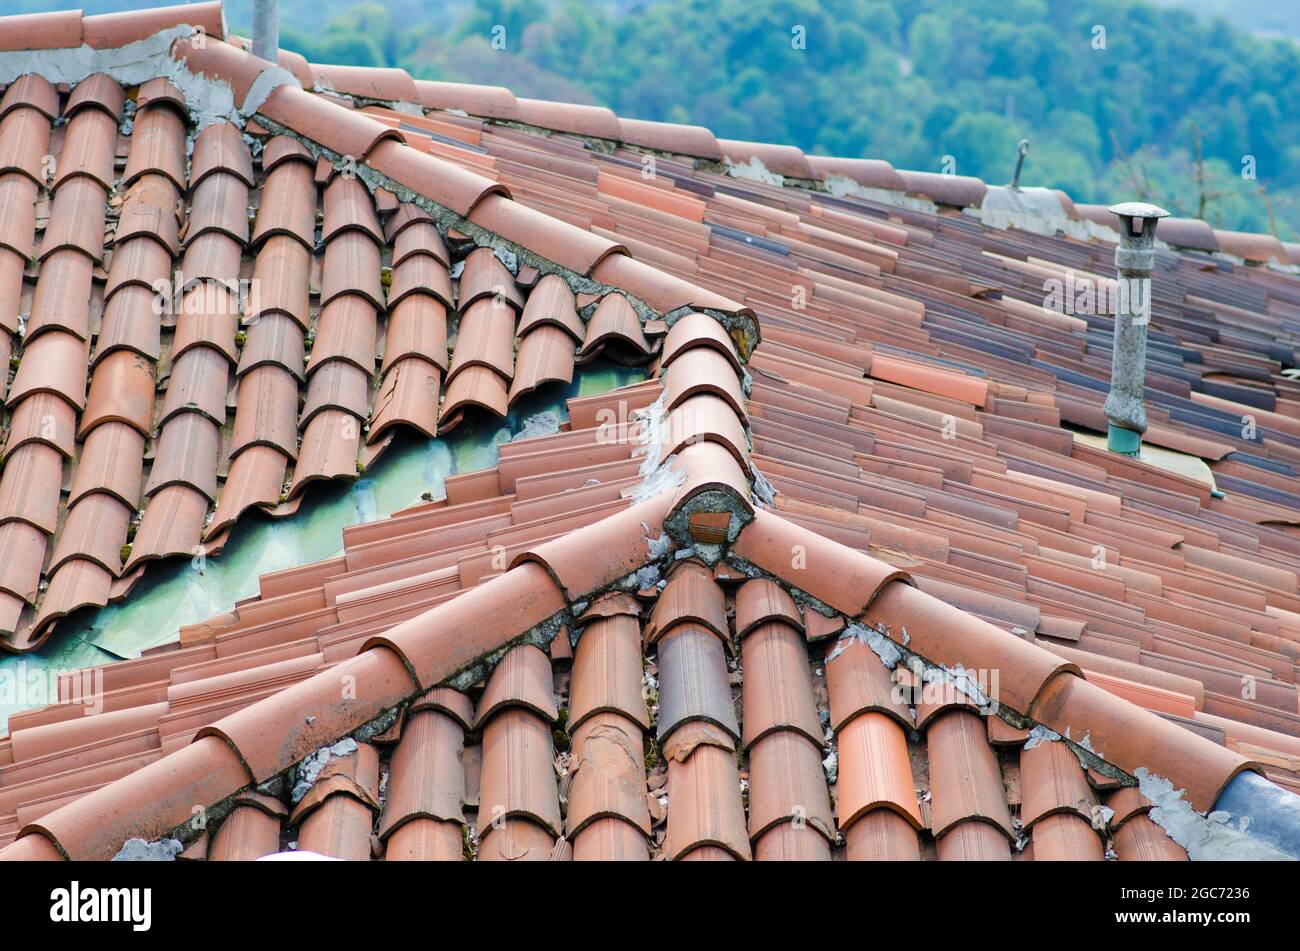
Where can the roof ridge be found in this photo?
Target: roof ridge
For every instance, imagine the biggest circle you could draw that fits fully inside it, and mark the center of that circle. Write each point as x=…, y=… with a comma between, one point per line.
x=499, y=104
x=702, y=510
x=394, y=85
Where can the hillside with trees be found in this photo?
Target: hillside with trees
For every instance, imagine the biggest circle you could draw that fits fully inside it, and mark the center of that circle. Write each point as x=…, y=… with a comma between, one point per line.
x=1119, y=99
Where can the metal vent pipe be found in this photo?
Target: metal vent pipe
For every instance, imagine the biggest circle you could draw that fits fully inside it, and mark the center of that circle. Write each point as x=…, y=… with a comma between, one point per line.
x=1135, y=258
x=266, y=29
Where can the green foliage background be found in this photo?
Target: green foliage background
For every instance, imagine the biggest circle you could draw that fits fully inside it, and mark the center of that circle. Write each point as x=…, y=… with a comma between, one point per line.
x=909, y=81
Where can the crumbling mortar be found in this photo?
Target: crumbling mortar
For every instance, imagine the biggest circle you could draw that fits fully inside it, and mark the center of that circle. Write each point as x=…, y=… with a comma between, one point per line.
x=1081, y=748
x=208, y=99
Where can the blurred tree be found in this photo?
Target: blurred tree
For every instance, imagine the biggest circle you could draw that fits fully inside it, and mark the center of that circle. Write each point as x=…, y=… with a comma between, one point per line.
x=907, y=81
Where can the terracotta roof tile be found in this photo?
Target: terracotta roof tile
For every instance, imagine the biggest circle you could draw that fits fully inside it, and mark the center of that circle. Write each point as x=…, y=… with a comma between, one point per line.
x=95, y=529
x=160, y=91
x=96, y=91
x=348, y=133
x=417, y=237
x=485, y=276
x=690, y=597
x=172, y=521
x=495, y=101
x=348, y=206
x=958, y=190
x=615, y=330
x=29, y=486
x=1116, y=727
x=881, y=835
x=874, y=770
x=518, y=778
x=974, y=842
x=964, y=777
x=157, y=146
x=521, y=679
x=1052, y=781
x=516, y=840
x=553, y=239
x=787, y=786
x=255, y=479
x=265, y=416
x=210, y=256
x=426, y=779
x=840, y=580
x=693, y=682
x=330, y=443
x=607, y=780
x=477, y=386
x=77, y=219
x=185, y=453
x=551, y=302
x=24, y=547
x=282, y=271
x=417, y=326
x=26, y=133
x=281, y=149
x=367, y=82
x=778, y=686
x=1026, y=671
x=665, y=137
x=781, y=159
x=88, y=147
x=870, y=173
x=569, y=117
x=44, y=418
x=122, y=389
x=140, y=261
x=443, y=182
x=1141, y=840
x=247, y=833
x=530, y=599
x=610, y=840
x=53, y=363
x=273, y=340
x=408, y=396
x=1065, y=837
x=61, y=296
x=345, y=330
x=40, y=31
x=352, y=267
x=704, y=788
x=607, y=672
x=111, y=461
x=218, y=203
x=420, y=274
x=150, y=209
x=34, y=91
x=703, y=370
x=111, y=30
x=546, y=355
x=698, y=330
x=340, y=828
x=425, y=840
x=17, y=235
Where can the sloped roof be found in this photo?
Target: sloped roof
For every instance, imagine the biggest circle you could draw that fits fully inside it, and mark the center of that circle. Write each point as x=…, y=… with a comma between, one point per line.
x=885, y=479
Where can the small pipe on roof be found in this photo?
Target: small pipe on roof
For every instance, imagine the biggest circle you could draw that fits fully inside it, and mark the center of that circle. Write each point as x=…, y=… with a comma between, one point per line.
x=266, y=29
x=1021, y=151
x=1135, y=258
